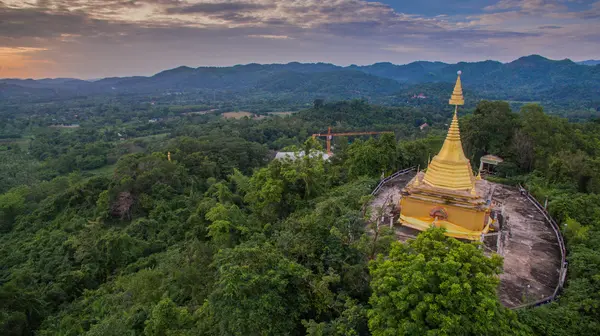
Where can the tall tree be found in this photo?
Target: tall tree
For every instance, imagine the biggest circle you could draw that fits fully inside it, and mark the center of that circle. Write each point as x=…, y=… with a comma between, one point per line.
x=489, y=130
x=258, y=292
x=437, y=285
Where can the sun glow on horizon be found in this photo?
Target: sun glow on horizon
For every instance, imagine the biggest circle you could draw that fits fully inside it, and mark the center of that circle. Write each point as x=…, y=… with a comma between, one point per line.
x=19, y=62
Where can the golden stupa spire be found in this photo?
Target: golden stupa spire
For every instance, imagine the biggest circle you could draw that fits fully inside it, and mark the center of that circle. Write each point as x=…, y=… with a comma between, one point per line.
x=450, y=169
x=457, y=95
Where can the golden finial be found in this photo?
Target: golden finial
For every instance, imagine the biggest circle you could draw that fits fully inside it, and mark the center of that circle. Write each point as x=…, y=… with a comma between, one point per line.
x=169, y=156
x=457, y=95
x=479, y=175
x=473, y=191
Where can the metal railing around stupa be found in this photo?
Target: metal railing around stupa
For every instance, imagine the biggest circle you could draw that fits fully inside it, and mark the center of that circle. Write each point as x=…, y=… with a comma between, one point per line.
x=390, y=178
x=562, y=275
x=383, y=182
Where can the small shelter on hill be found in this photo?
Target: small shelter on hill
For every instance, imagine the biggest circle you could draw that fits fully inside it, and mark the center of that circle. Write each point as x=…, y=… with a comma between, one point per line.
x=488, y=164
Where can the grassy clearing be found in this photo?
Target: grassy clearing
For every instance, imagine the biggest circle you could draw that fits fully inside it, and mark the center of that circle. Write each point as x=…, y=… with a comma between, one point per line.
x=237, y=115
x=282, y=114
x=69, y=126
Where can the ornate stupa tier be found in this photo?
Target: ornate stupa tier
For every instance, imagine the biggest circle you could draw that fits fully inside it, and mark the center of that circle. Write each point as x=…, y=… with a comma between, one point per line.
x=450, y=169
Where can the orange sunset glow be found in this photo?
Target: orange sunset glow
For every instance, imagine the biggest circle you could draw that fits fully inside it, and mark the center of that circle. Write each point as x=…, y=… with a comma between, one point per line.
x=19, y=63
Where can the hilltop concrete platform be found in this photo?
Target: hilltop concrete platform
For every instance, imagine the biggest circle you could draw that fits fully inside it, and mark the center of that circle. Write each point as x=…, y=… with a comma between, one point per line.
x=530, y=249
x=526, y=241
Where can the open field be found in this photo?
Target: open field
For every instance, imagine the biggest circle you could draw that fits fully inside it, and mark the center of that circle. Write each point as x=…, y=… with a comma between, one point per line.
x=199, y=112
x=241, y=114
x=64, y=126
x=282, y=114
x=237, y=115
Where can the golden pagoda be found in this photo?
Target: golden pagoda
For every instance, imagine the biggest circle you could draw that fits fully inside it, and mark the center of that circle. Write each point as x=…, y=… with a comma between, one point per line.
x=447, y=194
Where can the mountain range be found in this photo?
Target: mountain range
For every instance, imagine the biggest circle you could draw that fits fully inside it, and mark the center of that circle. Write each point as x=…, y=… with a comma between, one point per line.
x=529, y=78
x=589, y=62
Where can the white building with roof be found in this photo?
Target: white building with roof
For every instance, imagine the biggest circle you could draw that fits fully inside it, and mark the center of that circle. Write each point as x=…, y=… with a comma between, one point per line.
x=295, y=155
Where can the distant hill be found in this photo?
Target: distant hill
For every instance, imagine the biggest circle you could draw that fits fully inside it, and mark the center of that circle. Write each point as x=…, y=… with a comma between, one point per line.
x=8, y=91
x=589, y=62
x=530, y=78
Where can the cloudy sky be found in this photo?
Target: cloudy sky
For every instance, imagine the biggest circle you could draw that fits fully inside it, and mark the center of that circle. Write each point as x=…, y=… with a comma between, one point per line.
x=100, y=38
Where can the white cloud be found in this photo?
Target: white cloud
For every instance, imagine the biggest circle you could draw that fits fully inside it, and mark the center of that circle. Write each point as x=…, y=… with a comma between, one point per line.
x=273, y=37
x=5, y=51
x=529, y=6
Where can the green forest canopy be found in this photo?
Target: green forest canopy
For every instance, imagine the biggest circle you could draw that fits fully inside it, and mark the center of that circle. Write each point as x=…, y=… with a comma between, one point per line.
x=102, y=236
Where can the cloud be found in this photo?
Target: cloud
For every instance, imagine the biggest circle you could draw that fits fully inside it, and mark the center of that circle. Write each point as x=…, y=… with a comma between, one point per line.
x=549, y=27
x=405, y=49
x=219, y=7
x=494, y=18
x=592, y=13
x=537, y=14
x=274, y=37
x=32, y=22
x=113, y=37
x=529, y=6
x=4, y=51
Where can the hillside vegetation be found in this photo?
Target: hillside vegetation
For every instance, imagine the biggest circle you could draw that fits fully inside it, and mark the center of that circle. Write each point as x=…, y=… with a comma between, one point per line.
x=100, y=234
x=563, y=84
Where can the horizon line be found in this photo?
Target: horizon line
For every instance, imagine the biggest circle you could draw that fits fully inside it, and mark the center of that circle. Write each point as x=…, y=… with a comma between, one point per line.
x=255, y=63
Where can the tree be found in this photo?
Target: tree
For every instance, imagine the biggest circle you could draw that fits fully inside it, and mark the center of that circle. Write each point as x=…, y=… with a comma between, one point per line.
x=549, y=135
x=352, y=322
x=489, y=130
x=228, y=224
x=437, y=285
x=523, y=148
x=318, y=103
x=258, y=292
x=373, y=156
x=167, y=319
x=12, y=204
x=278, y=189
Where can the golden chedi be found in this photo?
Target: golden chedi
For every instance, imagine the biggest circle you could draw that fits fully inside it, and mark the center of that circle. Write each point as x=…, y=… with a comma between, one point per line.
x=447, y=194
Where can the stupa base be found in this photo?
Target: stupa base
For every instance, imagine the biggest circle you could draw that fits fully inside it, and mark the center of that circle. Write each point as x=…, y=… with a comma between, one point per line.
x=452, y=230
